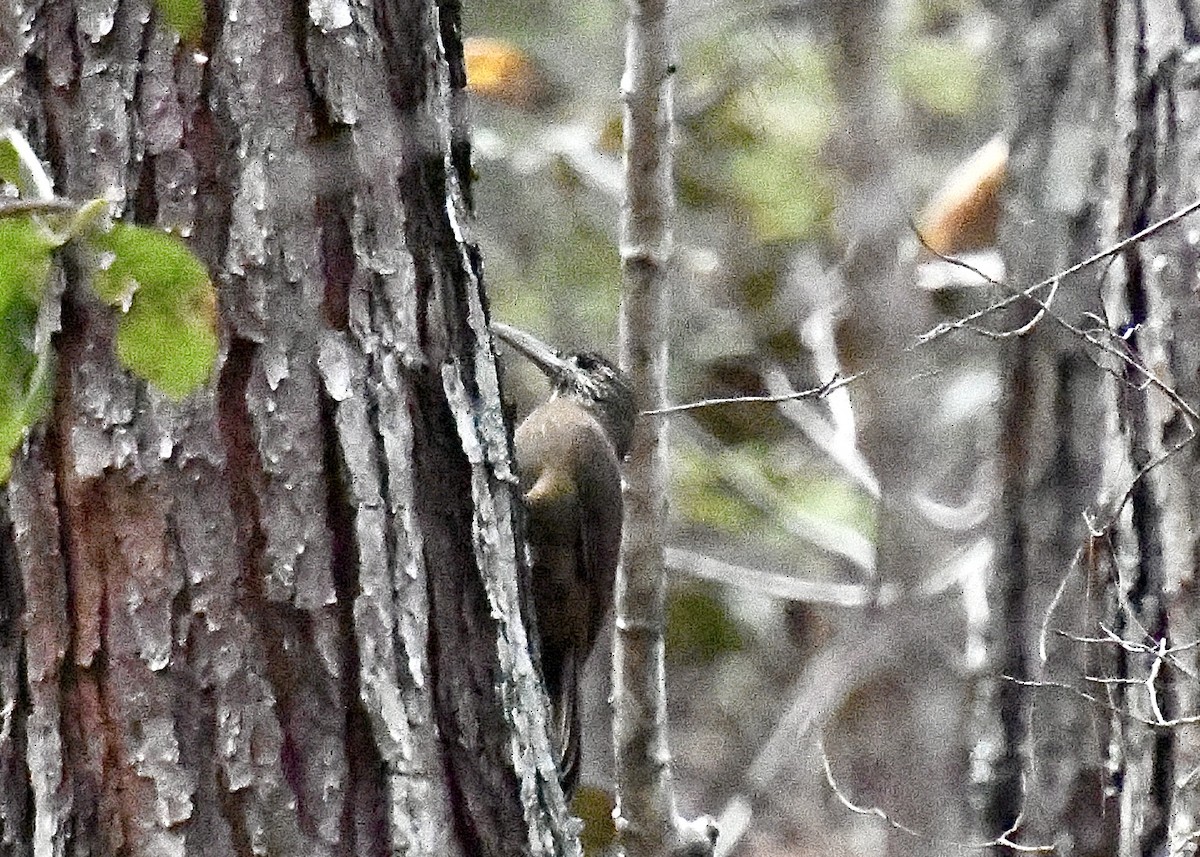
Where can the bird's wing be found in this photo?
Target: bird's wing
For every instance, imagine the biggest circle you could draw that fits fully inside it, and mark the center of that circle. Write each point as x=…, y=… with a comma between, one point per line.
x=600, y=534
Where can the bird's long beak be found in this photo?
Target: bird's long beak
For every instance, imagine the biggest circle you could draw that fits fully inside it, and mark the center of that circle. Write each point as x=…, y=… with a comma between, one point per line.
x=547, y=359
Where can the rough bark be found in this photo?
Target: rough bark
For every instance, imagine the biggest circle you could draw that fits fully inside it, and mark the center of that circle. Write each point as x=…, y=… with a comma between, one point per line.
x=285, y=616
x=1151, y=292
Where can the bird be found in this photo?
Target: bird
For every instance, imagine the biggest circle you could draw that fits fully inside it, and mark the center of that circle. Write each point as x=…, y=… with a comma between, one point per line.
x=569, y=451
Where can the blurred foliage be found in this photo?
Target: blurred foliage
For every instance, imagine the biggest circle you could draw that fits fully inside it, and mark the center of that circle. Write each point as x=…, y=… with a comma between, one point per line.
x=941, y=75
x=774, y=133
x=699, y=628
x=594, y=807
x=185, y=17
x=738, y=488
x=500, y=71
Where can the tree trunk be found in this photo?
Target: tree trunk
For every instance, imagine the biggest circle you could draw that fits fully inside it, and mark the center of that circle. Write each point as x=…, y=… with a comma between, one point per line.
x=1150, y=294
x=1044, y=747
x=284, y=617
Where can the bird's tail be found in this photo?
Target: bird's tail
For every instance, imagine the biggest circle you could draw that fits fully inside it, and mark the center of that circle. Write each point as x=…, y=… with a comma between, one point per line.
x=567, y=726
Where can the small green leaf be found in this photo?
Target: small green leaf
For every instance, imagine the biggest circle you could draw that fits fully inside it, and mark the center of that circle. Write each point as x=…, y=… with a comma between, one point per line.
x=168, y=334
x=146, y=261
x=25, y=249
x=25, y=379
x=174, y=354
x=10, y=163
x=185, y=17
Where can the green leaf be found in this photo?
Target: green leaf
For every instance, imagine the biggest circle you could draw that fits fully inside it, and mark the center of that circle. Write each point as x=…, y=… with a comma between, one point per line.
x=25, y=250
x=168, y=333
x=185, y=17
x=25, y=379
x=149, y=262
x=10, y=163
x=174, y=354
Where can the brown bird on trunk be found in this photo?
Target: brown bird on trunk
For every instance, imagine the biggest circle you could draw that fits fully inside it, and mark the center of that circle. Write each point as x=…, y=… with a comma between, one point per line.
x=569, y=452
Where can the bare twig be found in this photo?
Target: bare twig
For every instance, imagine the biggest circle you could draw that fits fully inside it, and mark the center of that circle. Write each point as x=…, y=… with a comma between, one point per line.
x=1004, y=840
x=1030, y=292
x=1105, y=704
x=820, y=392
x=22, y=206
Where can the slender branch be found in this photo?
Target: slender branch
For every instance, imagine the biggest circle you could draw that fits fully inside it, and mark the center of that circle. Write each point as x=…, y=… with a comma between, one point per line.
x=836, y=382
x=57, y=205
x=649, y=823
x=965, y=321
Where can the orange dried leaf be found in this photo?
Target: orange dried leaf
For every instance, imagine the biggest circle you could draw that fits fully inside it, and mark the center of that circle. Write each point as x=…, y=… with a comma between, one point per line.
x=965, y=212
x=500, y=71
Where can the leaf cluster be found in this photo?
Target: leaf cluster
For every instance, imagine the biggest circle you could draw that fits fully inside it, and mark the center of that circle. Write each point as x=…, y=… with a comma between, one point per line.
x=161, y=293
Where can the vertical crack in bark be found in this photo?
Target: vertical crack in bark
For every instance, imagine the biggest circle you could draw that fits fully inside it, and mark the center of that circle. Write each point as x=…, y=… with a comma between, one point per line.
x=443, y=278
x=306, y=700
x=1149, y=579
x=145, y=196
x=241, y=455
x=85, y=528
x=301, y=25
x=242, y=465
x=1005, y=793
x=337, y=260
x=91, y=736
x=206, y=140
x=363, y=823
x=450, y=22
x=16, y=799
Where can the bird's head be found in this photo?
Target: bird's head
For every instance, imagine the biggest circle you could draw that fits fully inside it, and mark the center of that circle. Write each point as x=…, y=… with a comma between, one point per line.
x=585, y=377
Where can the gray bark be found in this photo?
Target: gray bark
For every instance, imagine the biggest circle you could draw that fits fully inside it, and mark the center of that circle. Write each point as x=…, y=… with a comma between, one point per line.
x=285, y=616
x=1151, y=290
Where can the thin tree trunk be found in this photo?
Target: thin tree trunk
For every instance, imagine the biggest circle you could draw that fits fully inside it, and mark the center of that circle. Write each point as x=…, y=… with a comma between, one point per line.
x=904, y=710
x=1044, y=747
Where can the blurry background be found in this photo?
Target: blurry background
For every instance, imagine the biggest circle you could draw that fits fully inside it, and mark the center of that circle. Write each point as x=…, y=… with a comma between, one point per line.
x=772, y=507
